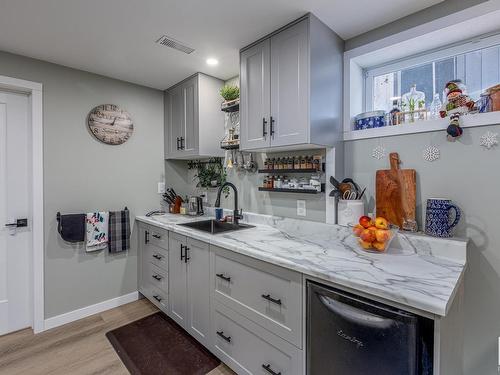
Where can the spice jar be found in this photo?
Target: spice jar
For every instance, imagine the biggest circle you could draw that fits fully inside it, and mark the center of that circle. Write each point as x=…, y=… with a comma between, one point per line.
x=290, y=163
x=302, y=162
x=309, y=163
x=277, y=183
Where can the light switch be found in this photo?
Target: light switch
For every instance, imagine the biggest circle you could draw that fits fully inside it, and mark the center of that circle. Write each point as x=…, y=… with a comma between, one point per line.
x=161, y=187
x=301, y=207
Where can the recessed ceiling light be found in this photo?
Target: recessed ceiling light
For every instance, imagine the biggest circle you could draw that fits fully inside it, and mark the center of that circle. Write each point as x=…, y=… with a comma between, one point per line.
x=212, y=62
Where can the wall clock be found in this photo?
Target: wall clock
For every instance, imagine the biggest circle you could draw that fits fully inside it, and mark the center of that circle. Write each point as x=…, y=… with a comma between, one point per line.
x=110, y=124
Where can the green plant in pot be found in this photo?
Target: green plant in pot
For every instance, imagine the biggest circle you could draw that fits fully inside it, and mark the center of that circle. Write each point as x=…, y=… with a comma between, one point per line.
x=230, y=92
x=210, y=173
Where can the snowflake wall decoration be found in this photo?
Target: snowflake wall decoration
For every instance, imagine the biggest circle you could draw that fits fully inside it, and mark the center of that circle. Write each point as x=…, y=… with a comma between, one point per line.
x=489, y=139
x=431, y=153
x=379, y=152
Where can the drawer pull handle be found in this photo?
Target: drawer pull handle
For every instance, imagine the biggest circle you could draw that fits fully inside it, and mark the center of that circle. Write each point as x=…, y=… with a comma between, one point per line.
x=157, y=277
x=182, y=254
x=146, y=237
x=156, y=236
x=157, y=298
x=271, y=299
x=270, y=370
x=221, y=335
x=225, y=278
x=157, y=256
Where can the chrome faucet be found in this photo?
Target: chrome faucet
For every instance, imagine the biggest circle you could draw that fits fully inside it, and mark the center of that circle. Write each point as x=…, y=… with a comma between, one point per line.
x=237, y=214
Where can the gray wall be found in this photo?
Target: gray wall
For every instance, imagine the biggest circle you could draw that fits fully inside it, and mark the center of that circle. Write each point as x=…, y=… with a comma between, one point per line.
x=82, y=174
x=467, y=174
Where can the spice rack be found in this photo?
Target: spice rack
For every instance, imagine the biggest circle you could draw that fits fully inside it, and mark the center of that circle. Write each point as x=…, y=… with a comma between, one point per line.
x=279, y=168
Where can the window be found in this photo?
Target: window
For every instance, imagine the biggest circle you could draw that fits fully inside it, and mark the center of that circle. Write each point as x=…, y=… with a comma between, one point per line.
x=477, y=65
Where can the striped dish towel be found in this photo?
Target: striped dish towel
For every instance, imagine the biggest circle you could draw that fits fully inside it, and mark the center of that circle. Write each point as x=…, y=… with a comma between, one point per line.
x=119, y=231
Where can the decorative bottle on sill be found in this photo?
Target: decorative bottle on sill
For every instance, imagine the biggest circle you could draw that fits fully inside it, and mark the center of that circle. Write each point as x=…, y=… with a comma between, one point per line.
x=436, y=107
x=395, y=114
x=412, y=101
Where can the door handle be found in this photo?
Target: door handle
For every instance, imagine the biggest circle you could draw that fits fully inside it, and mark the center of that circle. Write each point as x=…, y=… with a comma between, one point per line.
x=182, y=143
x=270, y=370
x=146, y=237
x=264, y=123
x=157, y=298
x=270, y=299
x=182, y=255
x=20, y=223
x=186, y=256
x=157, y=256
x=271, y=130
x=224, y=337
x=157, y=277
x=178, y=147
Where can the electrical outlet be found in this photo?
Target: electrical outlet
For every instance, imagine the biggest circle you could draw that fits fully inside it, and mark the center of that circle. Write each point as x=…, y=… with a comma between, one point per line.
x=161, y=187
x=301, y=207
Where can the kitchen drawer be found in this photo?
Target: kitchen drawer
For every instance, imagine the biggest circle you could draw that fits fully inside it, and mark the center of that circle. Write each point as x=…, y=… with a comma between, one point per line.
x=155, y=276
x=157, y=297
x=158, y=237
x=157, y=256
x=270, y=296
x=250, y=349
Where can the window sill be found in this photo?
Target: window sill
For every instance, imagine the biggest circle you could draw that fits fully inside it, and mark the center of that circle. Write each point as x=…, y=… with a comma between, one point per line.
x=468, y=121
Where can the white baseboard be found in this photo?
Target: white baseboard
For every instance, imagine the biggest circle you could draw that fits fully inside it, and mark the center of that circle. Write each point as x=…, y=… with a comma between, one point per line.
x=71, y=316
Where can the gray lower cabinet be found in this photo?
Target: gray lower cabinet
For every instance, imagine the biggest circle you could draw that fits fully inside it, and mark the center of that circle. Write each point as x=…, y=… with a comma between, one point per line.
x=153, y=265
x=189, y=267
x=291, y=88
x=249, y=348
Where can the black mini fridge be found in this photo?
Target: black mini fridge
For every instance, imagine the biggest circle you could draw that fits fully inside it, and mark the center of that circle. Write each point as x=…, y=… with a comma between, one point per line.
x=351, y=335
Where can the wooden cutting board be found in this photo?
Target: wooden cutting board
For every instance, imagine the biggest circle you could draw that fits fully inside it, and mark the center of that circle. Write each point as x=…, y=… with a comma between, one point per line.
x=396, y=192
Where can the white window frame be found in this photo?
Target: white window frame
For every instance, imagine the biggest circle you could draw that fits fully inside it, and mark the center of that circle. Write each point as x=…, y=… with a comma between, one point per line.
x=470, y=45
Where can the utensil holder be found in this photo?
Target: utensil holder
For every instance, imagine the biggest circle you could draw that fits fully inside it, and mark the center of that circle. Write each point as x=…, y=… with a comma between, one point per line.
x=349, y=211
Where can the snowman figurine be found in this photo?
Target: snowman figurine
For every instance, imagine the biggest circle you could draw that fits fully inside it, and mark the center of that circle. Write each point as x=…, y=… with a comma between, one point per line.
x=457, y=103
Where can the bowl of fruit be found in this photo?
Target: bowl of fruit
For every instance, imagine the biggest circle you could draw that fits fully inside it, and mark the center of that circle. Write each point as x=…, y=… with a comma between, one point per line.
x=376, y=234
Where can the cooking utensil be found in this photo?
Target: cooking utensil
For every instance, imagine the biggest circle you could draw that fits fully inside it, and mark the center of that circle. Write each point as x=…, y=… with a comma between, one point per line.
x=349, y=195
x=362, y=193
x=334, y=182
x=396, y=192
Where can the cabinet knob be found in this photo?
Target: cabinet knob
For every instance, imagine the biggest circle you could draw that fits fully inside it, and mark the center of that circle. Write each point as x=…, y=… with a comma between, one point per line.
x=224, y=337
x=270, y=299
x=225, y=278
x=270, y=370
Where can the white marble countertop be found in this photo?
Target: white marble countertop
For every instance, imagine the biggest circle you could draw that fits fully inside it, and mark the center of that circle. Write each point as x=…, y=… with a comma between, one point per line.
x=420, y=271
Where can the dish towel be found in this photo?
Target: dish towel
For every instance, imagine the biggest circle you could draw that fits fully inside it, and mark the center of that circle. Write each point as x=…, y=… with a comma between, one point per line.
x=71, y=227
x=119, y=231
x=97, y=231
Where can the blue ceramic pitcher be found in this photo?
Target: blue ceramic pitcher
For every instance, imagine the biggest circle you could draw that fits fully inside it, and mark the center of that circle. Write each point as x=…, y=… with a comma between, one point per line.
x=437, y=217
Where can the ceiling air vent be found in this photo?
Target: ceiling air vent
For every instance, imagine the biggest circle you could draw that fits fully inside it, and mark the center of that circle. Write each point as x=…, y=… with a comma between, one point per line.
x=172, y=43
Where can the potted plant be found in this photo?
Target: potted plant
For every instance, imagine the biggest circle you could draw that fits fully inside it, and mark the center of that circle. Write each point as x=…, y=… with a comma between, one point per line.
x=230, y=93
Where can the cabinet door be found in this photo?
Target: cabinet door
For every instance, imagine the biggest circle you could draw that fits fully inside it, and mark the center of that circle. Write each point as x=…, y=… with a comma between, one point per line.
x=255, y=102
x=198, y=280
x=290, y=86
x=175, y=108
x=189, y=130
x=177, y=279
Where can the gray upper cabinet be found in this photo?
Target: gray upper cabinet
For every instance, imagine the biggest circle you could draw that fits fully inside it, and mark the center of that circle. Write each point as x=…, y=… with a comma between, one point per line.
x=296, y=75
x=255, y=104
x=194, y=123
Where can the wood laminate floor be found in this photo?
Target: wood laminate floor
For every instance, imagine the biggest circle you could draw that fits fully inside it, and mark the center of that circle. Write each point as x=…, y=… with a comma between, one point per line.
x=78, y=348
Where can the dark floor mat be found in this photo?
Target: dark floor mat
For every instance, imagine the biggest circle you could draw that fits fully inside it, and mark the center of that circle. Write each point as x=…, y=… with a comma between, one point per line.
x=157, y=345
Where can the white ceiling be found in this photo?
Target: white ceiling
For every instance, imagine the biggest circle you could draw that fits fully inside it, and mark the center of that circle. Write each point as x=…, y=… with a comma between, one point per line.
x=116, y=38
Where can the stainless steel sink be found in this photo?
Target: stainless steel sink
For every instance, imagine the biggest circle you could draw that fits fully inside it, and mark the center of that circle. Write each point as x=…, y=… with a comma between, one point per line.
x=214, y=226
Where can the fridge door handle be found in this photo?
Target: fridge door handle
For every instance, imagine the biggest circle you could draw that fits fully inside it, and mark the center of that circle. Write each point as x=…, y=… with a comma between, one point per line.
x=354, y=314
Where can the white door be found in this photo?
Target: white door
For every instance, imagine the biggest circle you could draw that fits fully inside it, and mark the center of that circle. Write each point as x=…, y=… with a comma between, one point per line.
x=15, y=188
